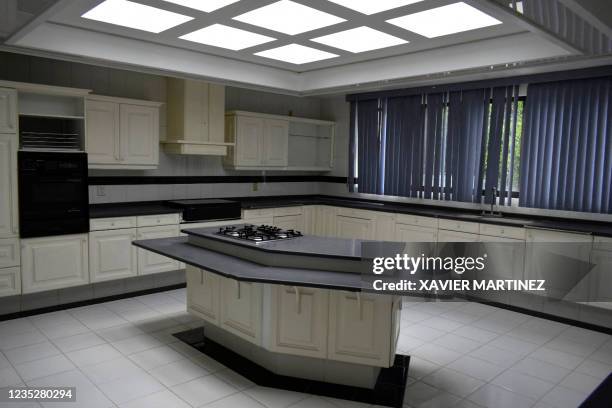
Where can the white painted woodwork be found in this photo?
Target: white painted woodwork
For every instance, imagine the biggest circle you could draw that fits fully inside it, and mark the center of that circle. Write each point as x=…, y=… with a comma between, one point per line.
x=150, y=262
x=8, y=111
x=325, y=221
x=456, y=236
x=9, y=219
x=418, y=220
x=248, y=139
x=275, y=141
x=54, y=262
x=459, y=226
x=360, y=328
x=102, y=132
x=9, y=252
x=502, y=231
x=600, y=278
x=203, y=294
x=354, y=228
x=295, y=222
x=384, y=226
x=241, y=309
x=415, y=233
x=10, y=281
x=139, y=128
x=112, y=255
x=101, y=224
x=155, y=220
x=299, y=320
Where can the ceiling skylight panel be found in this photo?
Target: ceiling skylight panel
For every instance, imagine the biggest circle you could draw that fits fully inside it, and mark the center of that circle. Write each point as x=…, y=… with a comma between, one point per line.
x=360, y=39
x=203, y=5
x=296, y=54
x=219, y=35
x=373, y=6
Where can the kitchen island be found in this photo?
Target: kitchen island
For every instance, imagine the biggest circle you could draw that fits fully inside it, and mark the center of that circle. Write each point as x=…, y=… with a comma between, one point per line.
x=292, y=306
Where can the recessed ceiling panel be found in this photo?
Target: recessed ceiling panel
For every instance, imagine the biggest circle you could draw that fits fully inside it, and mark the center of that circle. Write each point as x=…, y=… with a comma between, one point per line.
x=445, y=20
x=373, y=6
x=203, y=5
x=135, y=15
x=296, y=54
x=219, y=35
x=288, y=17
x=360, y=39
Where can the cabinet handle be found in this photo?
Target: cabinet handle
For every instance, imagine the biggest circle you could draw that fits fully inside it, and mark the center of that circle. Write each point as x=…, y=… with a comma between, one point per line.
x=201, y=277
x=359, y=306
x=238, y=289
x=297, y=300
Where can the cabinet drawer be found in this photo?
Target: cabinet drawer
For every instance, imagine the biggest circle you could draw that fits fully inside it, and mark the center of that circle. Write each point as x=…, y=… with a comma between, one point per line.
x=355, y=213
x=602, y=243
x=288, y=211
x=153, y=220
x=257, y=213
x=101, y=224
x=409, y=219
x=9, y=252
x=461, y=226
x=10, y=281
x=502, y=231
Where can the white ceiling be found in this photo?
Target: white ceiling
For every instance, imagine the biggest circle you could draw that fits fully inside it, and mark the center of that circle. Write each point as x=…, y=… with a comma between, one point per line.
x=62, y=30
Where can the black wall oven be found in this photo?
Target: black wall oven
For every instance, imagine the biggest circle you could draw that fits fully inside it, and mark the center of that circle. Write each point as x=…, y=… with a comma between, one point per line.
x=53, y=193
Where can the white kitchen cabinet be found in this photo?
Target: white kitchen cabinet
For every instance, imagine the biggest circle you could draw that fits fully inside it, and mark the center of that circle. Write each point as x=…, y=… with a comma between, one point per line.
x=289, y=218
x=456, y=236
x=9, y=220
x=361, y=328
x=112, y=255
x=248, y=141
x=310, y=220
x=8, y=110
x=241, y=309
x=102, y=132
x=354, y=228
x=9, y=252
x=299, y=321
x=54, y=262
x=600, y=277
x=325, y=221
x=415, y=233
x=122, y=133
x=10, y=281
x=384, y=226
x=275, y=143
x=203, y=294
x=150, y=262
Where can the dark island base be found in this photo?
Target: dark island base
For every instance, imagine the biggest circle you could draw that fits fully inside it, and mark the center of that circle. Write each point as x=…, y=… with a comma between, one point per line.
x=388, y=391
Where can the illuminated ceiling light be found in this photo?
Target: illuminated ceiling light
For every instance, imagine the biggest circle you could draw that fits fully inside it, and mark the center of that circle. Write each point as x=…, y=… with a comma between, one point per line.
x=219, y=35
x=373, y=6
x=451, y=19
x=288, y=17
x=296, y=54
x=203, y=5
x=360, y=39
x=135, y=15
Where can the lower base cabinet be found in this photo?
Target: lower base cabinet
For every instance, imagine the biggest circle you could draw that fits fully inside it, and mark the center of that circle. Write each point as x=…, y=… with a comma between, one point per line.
x=10, y=281
x=112, y=255
x=241, y=309
x=203, y=294
x=54, y=262
x=299, y=319
x=150, y=262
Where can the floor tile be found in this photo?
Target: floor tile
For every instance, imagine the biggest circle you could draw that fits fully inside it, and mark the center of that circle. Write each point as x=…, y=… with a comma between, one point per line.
x=420, y=393
x=436, y=354
x=93, y=355
x=457, y=343
x=594, y=368
x=236, y=380
x=523, y=384
x=496, y=356
x=562, y=397
x=274, y=398
x=13, y=340
x=111, y=370
x=314, y=402
x=476, y=368
x=441, y=323
x=64, y=330
x=87, y=394
x=44, y=367
x=32, y=352
x=565, y=360
x=580, y=382
x=16, y=326
x=78, y=342
x=98, y=318
x=161, y=399
x=136, y=344
x=121, y=332
x=497, y=397
x=453, y=381
x=419, y=368
x=513, y=345
x=475, y=333
x=8, y=377
x=423, y=332
x=603, y=354
x=540, y=369
x=130, y=387
x=407, y=343
x=156, y=357
x=569, y=346
x=178, y=372
x=203, y=390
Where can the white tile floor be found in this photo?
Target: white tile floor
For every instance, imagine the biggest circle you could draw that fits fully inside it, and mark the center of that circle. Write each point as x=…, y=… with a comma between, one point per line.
x=122, y=354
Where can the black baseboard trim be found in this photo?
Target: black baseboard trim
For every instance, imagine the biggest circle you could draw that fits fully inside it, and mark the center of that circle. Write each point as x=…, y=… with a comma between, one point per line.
x=89, y=302
x=388, y=391
x=547, y=316
x=136, y=180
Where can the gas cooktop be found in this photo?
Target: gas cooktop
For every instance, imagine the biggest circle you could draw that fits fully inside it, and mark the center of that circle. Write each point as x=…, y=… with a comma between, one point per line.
x=263, y=233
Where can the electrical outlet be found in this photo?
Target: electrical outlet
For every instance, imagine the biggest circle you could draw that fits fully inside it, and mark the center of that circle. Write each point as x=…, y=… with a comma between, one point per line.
x=100, y=191
x=255, y=186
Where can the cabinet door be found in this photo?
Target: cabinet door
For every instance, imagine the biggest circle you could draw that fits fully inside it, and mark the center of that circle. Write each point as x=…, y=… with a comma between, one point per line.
x=249, y=134
x=414, y=233
x=203, y=294
x=9, y=252
x=601, y=279
x=299, y=321
x=326, y=221
x=360, y=328
x=295, y=222
x=112, y=255
x=241, y=309
x=102, y=132
x=10, y=281
x=275, y=143
x=139, y=134
x=353, y=228
x=9, y=219
x=456, y=236
x=8, y=110
x=150, y=262
x=54, y=262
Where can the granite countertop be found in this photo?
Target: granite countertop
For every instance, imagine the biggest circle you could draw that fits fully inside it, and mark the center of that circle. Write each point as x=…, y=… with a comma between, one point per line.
x=158, y=207
x=243, y=270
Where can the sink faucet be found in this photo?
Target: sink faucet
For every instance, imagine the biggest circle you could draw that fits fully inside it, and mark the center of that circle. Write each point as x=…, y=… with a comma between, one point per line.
x=493, y=198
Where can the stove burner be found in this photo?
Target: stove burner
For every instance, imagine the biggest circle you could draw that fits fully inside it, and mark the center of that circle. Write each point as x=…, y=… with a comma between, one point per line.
x=255, y=234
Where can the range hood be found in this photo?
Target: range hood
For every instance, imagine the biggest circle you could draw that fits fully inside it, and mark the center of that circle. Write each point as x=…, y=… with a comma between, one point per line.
x=196, y=118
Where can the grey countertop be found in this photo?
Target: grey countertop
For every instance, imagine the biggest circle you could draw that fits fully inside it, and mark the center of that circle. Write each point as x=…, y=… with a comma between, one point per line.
x=597, y=228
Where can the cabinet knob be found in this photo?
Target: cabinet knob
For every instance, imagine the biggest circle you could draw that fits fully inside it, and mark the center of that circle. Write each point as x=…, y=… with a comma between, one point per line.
x=297, y=300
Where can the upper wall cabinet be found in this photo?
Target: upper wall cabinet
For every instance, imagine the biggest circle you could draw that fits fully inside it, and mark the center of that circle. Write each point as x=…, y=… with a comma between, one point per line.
x=195, y=118
x=122, y=133
x=8, y=110
x=276, y=142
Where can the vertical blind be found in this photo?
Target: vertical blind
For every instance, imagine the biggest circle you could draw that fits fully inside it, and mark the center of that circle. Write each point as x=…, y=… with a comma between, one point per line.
x=567, y=147
x=368, y=147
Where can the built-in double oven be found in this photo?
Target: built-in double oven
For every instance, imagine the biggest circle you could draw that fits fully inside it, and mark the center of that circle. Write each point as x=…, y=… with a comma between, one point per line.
x=53, y=193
